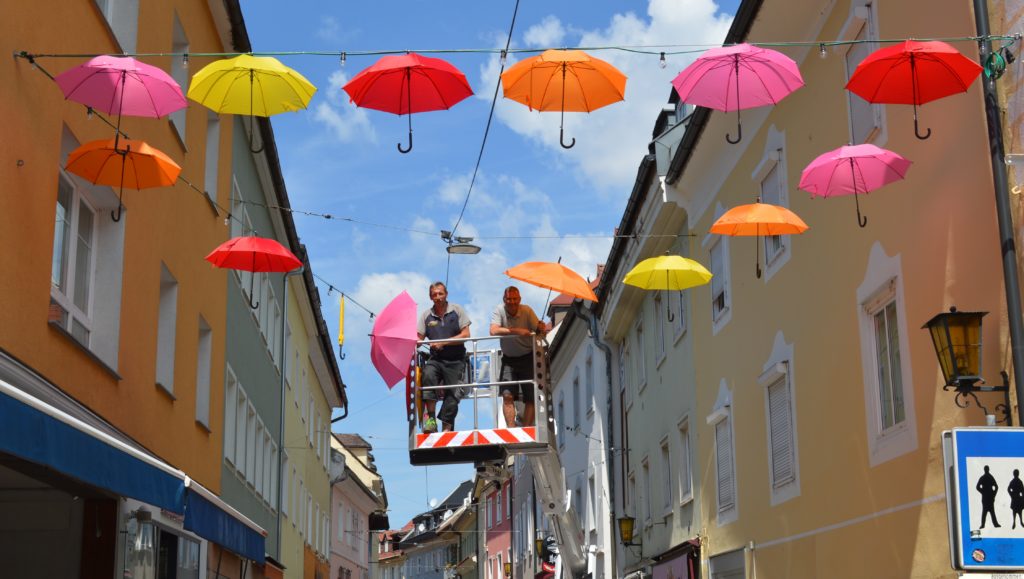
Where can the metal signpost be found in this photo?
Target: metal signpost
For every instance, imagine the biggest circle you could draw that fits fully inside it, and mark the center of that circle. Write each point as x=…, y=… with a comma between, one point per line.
x=985, y=497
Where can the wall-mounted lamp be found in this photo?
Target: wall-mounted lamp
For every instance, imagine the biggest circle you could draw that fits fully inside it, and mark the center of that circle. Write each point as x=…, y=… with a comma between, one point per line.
x=508, y=568
x=957, y=340
x=626, y=527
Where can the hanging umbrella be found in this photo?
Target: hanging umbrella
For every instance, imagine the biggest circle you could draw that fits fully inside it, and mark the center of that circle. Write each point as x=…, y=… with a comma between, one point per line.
x=758, y=219
x=564, y=80
x=136, y=166
x=122, y=86
x=913, y=73
x=852, y=169
x=406, y=84
x=667, y=273
x=553, y=276
x=393, y=339
x=257, y=86
x=255, y=254
x=738, y=77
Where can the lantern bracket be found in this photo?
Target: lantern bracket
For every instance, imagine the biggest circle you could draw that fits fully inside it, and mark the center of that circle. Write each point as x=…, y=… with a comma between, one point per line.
x=965, y=392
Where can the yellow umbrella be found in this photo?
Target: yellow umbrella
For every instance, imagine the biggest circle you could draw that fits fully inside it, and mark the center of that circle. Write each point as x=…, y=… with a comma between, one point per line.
x=250, y=85
x=341, y=328
x=667, y=272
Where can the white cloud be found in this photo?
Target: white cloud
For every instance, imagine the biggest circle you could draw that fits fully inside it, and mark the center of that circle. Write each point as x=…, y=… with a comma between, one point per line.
x=345, y=122
x=611, y=140
x=329, y=29
x=549, y=32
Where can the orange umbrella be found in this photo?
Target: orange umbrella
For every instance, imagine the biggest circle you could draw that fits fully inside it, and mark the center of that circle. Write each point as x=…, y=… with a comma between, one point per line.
x=758, y=219
x=564, y=80
x=553, y=276
x=136, y=166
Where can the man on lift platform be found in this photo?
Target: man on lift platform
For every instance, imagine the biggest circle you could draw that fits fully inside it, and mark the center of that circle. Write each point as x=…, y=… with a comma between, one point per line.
x=447, y=362
x=519, y=322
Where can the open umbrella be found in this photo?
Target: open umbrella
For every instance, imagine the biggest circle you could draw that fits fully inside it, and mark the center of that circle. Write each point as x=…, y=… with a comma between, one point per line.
x=406, y=84
x=913, y=73
x=564, y=80
x=667, y=273
x=758, y=219
x=738, y=77
x=852, y=169
x=250, y=85
x=136, y=166
x=393, y=339
x=119, y=85
x=553, y=276
x=255, y=254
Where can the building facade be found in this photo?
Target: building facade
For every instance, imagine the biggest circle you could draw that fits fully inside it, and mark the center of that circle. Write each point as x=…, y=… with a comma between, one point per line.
x=357, y=505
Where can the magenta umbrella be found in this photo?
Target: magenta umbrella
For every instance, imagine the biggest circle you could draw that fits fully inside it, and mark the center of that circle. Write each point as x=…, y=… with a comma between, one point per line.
x=853, y=169
x=738, y=77
x=119, y=85
x=393, y=339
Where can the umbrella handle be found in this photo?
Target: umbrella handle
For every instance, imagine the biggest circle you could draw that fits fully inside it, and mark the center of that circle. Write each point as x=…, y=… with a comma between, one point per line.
x=561, y=123
x=408, y=112
x=120, y=192
x=917, y=131
x=863, y=221
x=409, y=148
x=739, y=131
x=116, y=216
x=913, y=88
x=561, y=139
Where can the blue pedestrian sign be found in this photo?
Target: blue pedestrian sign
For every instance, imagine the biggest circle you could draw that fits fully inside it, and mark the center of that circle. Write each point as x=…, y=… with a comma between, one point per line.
x=985, y=495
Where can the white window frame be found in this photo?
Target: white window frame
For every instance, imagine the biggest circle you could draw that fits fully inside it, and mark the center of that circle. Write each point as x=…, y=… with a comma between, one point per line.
x=721, y=421
x=64, y=297
x=167, y=330
x=211, y=170
x=122, y=17
x=679, y=324
x=719, y=316
x=204, y=357
x=230, y=414
x=660, y=303
x=648, y=490
x=777, y=249
x=882, y=285
x=179, y=72
x=777, y=373
x=588, y=380
x=641, y=353
x=863, y=17
x=667, y=472
x=685, y=464
x=577, y=418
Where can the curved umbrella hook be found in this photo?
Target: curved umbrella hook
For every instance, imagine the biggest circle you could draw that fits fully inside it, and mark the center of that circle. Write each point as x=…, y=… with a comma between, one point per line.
x=913, y=95
x=739, y=126
x=561, y=123
x=252, y=283
x=862, y=221
x=408, y=111
x=917, y=132
x=120, y=192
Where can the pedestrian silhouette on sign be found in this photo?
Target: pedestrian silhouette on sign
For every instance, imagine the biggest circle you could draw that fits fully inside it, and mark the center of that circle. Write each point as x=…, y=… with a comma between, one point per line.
x=988, y=487
x=1016, y=490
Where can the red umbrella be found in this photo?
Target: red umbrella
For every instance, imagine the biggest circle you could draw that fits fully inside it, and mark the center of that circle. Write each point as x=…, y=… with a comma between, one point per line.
x=406, y=84
x=256, y=254
x=913, y=73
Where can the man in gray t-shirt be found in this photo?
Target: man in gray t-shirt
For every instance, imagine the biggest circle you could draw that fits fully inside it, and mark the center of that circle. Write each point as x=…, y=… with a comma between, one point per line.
x=518, y=323
x=447, y=362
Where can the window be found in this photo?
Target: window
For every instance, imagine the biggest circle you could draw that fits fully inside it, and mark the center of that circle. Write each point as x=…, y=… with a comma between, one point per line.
x=730, y=565
x=588, y=380
x=230, y=395
x=576, y=402
x=241, y=427
x=659, y=328
x=250, y=444
x=179, y=72
x=888, y=381
x=286, y=487
x=622, y=365
x=721, y=297
x=781, y=425
x=645, y=473
x=487, y=509
x=577, y=500
x=560, y=421
x=123, y=18
x=679, y=321
x=867, y=121
x=260, y=440
x=309, y=519
x=204, y=348
x=498, y=506
x=591, y=502
x=268, y=466
x=72, y=266
x=772, y=193
x=212, y=155
x=311, y=423
x=685, y=481
x=666, y=477
x=725, y=469
x=641, y=355
x=167, y=323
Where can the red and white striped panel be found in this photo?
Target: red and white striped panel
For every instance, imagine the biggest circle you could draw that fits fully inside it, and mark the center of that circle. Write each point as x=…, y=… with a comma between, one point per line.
x=476, y=437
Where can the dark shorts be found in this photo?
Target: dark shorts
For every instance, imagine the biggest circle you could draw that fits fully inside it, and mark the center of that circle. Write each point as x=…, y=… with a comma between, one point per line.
x=518, y=368
x=448, y=373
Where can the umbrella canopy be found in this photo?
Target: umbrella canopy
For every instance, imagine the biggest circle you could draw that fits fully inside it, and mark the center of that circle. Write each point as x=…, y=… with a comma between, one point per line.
x=913, y=73
x=393, y=339
x=667, y=272
x=137, y=166
x=250, y=85
x=738, y=77
x=564, y=80
x=852, y=170
x=553, y=276
x=119, y=85
x=255, y=254
x=758, y=219
x=406, y=84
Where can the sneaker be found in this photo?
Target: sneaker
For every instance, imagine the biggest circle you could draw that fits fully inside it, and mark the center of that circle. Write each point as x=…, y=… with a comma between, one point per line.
x=430, y=426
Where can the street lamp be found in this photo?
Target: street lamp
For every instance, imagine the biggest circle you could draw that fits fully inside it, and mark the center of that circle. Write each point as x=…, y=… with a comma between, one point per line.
x=626, y=526
x=508, y=568
x=957, y=340
x=458, y=244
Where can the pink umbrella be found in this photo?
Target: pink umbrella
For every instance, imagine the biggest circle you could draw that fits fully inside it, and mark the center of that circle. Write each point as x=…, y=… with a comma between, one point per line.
x=714, y=79
x=393, y=339
x=122, y=86
x=852, y=169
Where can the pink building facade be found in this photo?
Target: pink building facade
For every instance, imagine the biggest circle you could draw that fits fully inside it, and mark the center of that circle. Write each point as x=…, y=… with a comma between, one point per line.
x=498, y=529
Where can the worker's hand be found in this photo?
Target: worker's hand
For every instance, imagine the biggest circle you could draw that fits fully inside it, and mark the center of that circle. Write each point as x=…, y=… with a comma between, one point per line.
x=542, y=328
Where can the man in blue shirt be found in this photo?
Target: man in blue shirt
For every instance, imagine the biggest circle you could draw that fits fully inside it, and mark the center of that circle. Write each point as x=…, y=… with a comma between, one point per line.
x=447, y=362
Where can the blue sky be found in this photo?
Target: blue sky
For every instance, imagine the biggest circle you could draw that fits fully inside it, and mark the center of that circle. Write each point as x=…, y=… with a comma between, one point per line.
x=532, y=200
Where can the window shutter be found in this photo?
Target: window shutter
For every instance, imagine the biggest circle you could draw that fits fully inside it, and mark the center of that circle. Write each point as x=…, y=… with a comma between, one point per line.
x=726, y=479
x=780, y=424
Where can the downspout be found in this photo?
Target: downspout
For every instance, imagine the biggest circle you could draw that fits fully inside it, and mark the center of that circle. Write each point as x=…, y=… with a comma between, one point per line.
x=284, y=366
x=587, y=315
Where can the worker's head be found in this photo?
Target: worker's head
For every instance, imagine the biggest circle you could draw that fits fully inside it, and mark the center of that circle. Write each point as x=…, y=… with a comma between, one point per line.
x=438, y=293
x=512, y=300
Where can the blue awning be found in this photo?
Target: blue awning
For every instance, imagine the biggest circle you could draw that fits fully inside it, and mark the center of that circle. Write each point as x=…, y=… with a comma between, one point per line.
x=39, y=437
x=211, y=522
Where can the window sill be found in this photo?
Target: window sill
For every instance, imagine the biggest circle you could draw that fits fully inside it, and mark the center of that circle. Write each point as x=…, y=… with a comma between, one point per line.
x=678, y=337
x=661, y=360
x=176, y=131
x=169, y=393
x=204, y=426
x=103, y=365
x=688, y=499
